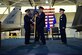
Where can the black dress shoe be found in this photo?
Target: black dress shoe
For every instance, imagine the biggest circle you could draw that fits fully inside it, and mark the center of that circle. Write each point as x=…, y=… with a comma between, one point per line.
x=44, y=43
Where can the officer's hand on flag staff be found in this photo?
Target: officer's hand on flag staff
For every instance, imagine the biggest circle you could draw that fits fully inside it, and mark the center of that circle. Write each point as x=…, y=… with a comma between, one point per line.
x=34, y=22
x=36, y=15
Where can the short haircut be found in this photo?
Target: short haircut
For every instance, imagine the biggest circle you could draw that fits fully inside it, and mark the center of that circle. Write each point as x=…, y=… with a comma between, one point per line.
x=27, y=10
x=40, y=7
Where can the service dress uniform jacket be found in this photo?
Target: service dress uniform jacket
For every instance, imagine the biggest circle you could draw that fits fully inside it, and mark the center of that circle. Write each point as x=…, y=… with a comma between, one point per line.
x=27, y=28
x=62, y=25
x=40, y=24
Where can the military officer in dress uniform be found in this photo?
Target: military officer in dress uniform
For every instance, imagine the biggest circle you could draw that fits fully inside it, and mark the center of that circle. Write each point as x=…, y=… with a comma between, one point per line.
x=62, y=25
x=40, y=22
x=27, y=22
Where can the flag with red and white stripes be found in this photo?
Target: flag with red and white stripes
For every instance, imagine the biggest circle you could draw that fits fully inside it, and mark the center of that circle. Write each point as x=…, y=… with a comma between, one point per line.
x=49, y=12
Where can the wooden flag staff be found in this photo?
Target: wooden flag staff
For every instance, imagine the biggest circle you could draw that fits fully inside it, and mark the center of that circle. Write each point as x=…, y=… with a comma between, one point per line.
x=34, y=26
x=0, y=34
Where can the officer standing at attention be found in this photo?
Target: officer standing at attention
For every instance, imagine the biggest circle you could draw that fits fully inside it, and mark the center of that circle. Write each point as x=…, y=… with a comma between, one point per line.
x=62, y=25
x=27, y=23
x=40, y=22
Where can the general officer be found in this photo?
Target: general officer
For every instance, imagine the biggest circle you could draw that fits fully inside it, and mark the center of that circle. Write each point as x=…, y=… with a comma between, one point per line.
x=27, y=23
x=62, y=25
x=40, y=22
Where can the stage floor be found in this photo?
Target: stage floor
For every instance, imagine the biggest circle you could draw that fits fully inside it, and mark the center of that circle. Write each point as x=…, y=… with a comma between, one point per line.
x=17, y=47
